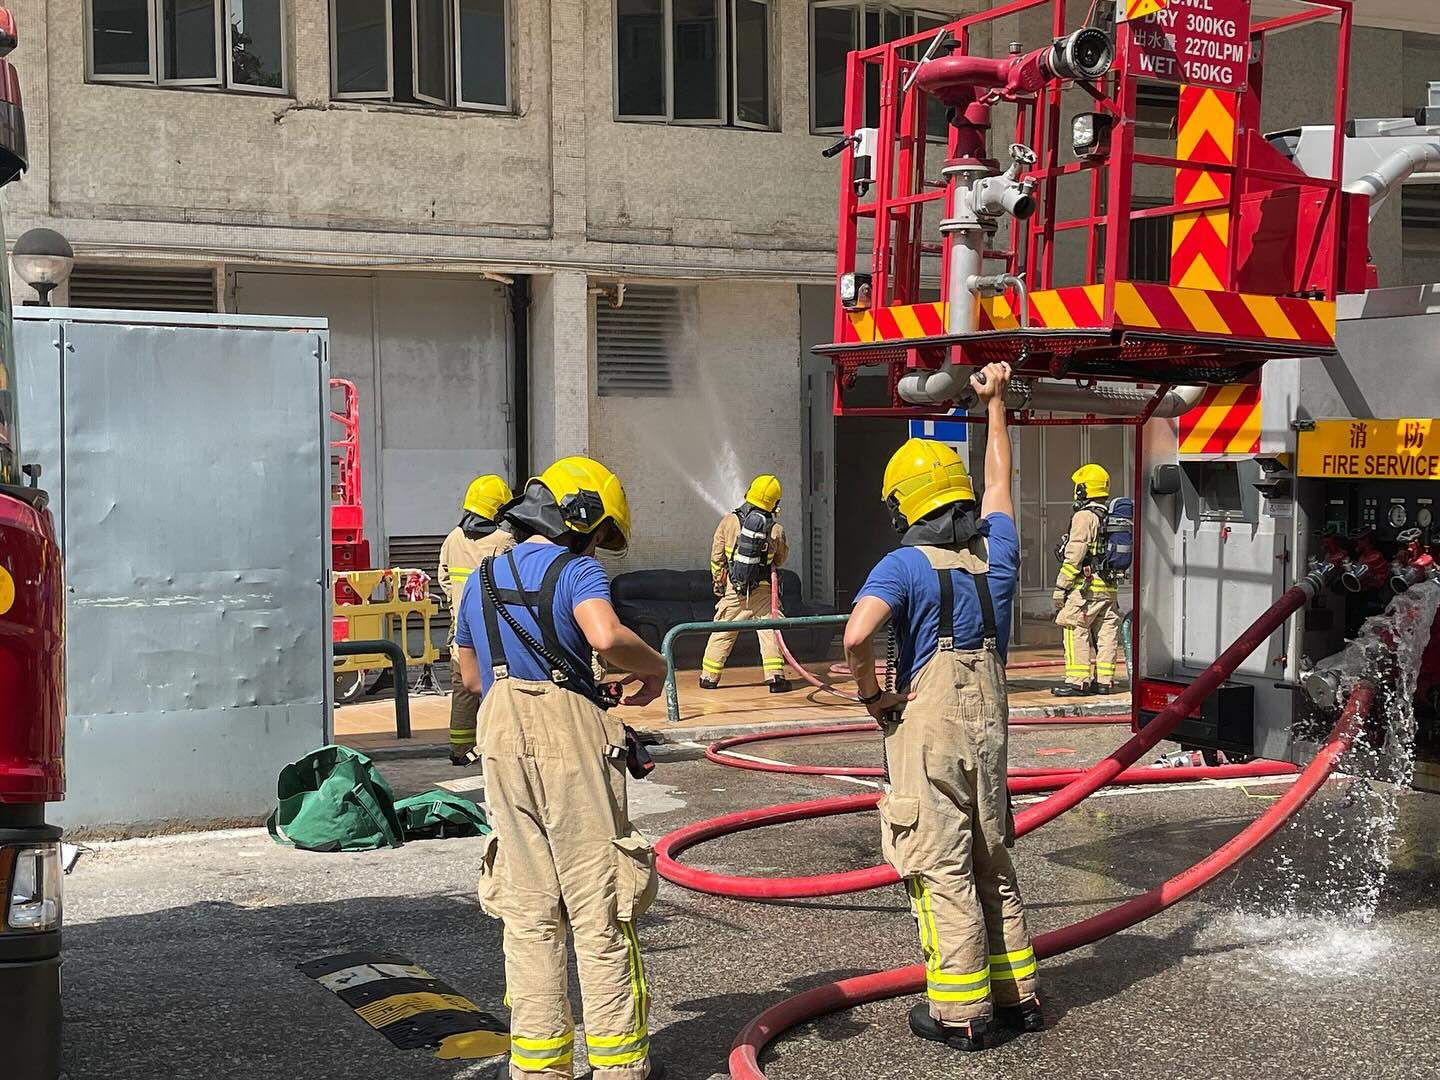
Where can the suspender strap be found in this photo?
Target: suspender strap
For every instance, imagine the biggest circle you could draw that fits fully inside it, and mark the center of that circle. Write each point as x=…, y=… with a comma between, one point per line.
x=499, y=662
x=990, y=637
x=947, y=610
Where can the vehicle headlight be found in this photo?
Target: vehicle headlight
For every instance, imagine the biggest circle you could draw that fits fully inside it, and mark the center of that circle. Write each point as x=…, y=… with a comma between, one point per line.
x=35, y=903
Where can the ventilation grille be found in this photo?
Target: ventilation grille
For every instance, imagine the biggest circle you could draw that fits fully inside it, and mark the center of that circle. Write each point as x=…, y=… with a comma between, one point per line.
x=423, y=553
x=135, y=289
x=816, y=562
x=1420, y=207
x=636, y=343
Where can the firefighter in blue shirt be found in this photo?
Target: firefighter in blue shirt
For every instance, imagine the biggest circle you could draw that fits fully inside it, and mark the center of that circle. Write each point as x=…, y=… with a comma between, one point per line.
x=949, y=591
x=564, y=860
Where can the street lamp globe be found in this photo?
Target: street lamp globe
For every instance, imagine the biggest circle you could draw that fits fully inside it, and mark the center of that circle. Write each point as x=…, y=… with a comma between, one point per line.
x=43, y=259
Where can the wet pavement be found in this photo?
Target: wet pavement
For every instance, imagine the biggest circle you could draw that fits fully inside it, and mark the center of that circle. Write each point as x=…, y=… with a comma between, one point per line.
x=181, y=951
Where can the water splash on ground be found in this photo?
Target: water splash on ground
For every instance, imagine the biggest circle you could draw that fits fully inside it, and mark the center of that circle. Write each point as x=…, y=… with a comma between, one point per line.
x=1309, y=903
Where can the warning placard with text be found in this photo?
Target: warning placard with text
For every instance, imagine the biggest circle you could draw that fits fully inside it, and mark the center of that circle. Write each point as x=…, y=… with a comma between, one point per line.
x=1199, y=42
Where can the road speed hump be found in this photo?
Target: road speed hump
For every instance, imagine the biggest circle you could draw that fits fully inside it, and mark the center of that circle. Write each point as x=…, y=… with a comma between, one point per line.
x=410, y=1006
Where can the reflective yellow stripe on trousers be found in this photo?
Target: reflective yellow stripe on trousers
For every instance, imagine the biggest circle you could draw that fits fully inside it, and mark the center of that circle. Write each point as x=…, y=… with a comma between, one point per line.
x=615, y=1051
x=1073, y=670
x=1013, y=966
x=537, y=1055
x=941, y=985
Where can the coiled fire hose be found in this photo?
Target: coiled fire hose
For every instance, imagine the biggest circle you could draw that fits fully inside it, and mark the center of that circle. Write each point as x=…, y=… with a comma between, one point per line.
x=1107, y=771
x=745, y=1054
x=847, y=993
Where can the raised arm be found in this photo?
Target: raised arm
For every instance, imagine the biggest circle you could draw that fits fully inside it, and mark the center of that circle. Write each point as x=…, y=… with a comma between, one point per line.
x=999, y=472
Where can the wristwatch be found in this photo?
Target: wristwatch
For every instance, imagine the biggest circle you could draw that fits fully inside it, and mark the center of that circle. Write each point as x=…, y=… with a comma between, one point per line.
x=876, y=696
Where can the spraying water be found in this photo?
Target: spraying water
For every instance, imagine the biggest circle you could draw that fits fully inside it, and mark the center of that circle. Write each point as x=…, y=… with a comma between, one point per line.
x=694, y=443
x=1310, y=903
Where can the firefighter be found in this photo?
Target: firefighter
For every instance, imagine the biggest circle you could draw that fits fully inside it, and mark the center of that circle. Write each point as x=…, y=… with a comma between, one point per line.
x=749, y=542
x=946, y=824
x=478, y=534
x=564, y=856
x=1085, y=597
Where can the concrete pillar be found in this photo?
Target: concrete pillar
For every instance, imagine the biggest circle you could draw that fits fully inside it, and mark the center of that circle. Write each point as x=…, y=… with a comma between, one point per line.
x=561, y=384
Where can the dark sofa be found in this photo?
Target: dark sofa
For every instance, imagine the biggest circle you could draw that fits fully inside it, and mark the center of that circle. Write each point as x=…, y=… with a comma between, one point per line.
x=650, y=602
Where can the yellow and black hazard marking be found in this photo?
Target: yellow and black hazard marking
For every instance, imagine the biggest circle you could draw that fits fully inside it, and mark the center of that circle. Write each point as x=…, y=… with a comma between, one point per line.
x=410, y=1006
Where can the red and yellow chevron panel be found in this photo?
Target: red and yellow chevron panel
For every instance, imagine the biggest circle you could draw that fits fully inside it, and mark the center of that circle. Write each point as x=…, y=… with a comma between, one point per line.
x=1138, y=306
x=1138, y=9
x=1200, y=244
x=1226, y=421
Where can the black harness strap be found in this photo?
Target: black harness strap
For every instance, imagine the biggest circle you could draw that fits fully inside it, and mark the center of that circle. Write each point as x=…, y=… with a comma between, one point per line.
x=989, y=636
x=495, y=605
x=542, y=612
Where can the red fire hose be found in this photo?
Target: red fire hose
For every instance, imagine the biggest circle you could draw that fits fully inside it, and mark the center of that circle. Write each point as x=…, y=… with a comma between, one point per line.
x=1107, y=771
x=776, y=1020
x=716, y=751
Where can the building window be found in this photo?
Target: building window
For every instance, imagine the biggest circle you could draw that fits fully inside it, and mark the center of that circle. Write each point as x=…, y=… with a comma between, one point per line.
x=450, y=54
x=232, y=44
x=1157, y=110
x=1420, y=220
x=837, y=28
x=693, y=62
x=637, y=342
x=1150, y=241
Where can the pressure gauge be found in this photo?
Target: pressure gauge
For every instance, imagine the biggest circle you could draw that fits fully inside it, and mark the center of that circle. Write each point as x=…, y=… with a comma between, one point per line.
x=1398, y=515
x=1424, y=517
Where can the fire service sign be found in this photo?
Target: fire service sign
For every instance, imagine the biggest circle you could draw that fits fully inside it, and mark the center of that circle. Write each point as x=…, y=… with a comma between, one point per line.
x=1371, y=450
x=1199, y=42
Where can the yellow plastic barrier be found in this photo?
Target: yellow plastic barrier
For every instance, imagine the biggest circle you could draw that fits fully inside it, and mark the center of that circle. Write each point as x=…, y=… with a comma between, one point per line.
x=384, y=612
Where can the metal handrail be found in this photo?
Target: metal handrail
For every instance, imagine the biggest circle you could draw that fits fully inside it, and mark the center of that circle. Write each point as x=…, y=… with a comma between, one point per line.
x=396, y=655
x=667, y=647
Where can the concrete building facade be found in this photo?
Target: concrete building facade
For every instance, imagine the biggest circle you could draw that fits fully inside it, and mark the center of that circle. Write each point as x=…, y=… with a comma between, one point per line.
x=460, y=186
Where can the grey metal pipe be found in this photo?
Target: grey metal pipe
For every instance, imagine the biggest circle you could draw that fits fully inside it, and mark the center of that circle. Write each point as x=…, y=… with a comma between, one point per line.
x=1405, y=162
x=1102, y=399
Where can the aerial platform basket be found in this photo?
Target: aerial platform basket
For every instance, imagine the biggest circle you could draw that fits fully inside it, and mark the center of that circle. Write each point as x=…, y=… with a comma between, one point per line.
x=1193, y=257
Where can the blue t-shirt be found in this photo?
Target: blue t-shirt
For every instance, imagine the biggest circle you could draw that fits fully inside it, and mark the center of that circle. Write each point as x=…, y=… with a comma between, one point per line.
x=584, y=579
x=906, y=581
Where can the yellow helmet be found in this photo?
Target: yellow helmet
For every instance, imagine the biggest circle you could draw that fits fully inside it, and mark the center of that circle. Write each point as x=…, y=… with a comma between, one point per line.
x=486, y=494
x=589, y=495
x=1091, y=482
x=924, y=475
x=764, y=492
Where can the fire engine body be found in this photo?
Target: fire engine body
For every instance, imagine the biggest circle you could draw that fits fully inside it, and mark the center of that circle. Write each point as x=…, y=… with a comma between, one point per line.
x=32, y=694
x=1279, y=400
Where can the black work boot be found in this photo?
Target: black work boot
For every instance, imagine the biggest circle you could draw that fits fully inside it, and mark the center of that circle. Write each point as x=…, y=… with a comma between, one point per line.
x=1069, y=690
x=709, y=682
x=969, y=1036
x=1101, y=691
x=1026, y=1016
x=780, y=685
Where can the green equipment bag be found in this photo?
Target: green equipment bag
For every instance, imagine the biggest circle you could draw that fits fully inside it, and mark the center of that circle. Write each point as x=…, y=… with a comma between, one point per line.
x=333, y=799
x=438, y=815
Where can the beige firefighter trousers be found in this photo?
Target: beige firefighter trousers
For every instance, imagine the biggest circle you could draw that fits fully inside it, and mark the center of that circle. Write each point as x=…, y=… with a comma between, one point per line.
x=464, y=708
x=946, y=828
x=733, y=607
x=1090, y=623
x=564, y=858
